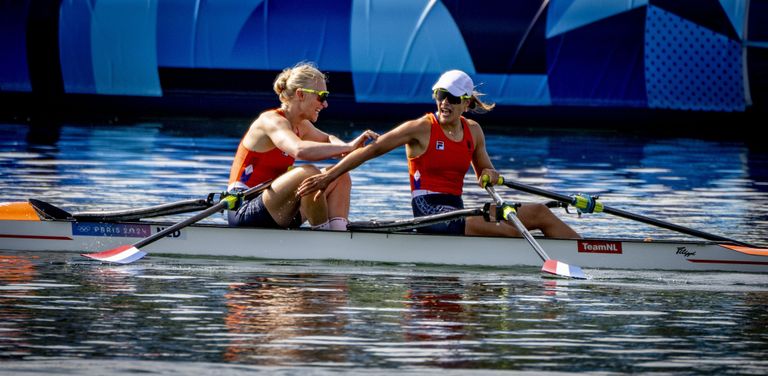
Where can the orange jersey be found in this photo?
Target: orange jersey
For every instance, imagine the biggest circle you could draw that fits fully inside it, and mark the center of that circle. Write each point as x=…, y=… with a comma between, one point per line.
x=252, y=168
x=441, y=168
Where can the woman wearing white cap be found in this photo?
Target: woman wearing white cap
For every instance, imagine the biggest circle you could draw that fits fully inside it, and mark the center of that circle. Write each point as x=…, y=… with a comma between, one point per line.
x=440, y=147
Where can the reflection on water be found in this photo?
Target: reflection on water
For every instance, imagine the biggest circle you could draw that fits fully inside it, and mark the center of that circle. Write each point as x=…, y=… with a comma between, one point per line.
x=268, y=316
x=340, y=316
x=714, y=186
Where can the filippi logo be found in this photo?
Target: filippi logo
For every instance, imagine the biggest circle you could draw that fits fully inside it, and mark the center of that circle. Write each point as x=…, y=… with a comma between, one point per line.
x=685, y=252
x=596, y=246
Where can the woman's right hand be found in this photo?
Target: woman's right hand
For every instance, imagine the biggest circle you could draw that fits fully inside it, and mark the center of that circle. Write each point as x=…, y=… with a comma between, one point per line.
x=363, y=138
x=313, y=183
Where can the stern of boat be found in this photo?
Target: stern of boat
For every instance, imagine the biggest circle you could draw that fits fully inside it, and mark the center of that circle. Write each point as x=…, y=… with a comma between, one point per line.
x=18, y=211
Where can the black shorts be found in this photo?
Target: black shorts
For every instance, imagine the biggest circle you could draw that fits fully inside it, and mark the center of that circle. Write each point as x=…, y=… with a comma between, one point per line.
x=435, y=203
x=253, y=213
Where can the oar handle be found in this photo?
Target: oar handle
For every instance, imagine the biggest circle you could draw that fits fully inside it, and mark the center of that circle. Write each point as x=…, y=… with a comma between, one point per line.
x=221, y=205
x=626, y=214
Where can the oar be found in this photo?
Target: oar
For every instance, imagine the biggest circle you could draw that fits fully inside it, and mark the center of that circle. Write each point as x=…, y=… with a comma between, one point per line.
x=171, y=208
x=580, y=201
x=550, y=266
x=129, y=253
x=416, y=222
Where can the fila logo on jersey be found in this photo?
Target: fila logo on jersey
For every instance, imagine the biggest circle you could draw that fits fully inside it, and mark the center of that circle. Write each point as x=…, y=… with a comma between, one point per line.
x=440, y=145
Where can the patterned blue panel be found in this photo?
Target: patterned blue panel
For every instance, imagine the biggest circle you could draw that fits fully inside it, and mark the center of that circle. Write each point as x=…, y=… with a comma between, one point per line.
x=707, y=13
x=209, y=35
x=279, y=34
x=758, y=22
x=600, y=64
x=217, y=27
x=736, y=10
x=400, y=47
x=567, y=15
x=123, y=37
x=176, y=32
x=514, y=89
x=690, y=67
x=253, y=34
x=757, y=54
x=501, y=41
x=75, y=47
x=14, y=75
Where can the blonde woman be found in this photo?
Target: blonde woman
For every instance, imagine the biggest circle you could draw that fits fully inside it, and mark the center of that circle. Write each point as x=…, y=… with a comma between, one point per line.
x=268, y=150
x=440, y=147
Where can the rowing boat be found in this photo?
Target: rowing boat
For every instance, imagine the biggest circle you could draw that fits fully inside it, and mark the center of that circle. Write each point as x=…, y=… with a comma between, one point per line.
x=22, y=228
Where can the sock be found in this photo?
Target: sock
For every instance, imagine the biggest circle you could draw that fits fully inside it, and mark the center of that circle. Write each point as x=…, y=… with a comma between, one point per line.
x=323, y=226
x=338, y=224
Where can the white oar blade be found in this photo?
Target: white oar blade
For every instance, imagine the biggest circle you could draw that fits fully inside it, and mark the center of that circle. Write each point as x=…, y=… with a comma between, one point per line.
x=124, y=254
x=562, y=269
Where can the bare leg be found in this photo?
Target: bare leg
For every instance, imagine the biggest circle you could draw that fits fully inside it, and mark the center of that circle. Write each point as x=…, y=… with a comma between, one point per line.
x=533, y=216
x=281, y=201
x=337, y=196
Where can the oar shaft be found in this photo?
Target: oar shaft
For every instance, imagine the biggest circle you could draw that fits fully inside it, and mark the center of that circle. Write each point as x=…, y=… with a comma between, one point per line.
x=674, y=227
x=168, y=230
x=527, y=235
x=538, y=191
x=413, y=223
x=626, y=214
x=550, y=266
x=519, y=225
x=221, y=205
x=179, y=207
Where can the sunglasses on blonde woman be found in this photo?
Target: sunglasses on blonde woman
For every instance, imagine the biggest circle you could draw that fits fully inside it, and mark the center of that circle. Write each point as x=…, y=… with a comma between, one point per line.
x=441, y=94
x=322, y=95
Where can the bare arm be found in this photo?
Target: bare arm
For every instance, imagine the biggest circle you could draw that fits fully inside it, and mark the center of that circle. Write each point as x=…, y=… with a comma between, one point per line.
x=481, y=161
x=315, y=148
x=312, y=133
x=406, y=133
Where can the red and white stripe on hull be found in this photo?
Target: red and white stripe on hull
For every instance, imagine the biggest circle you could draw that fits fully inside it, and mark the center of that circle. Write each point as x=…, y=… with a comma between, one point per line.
x=219, y=240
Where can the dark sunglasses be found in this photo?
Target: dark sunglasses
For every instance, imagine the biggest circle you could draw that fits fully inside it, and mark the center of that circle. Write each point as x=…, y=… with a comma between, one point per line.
x=441, y=94
x=322, y=95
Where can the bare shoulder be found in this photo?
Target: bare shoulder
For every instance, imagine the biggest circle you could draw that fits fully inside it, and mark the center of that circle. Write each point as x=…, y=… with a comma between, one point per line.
x=475, y=128
x=263, y=129
x=270, y=120
x=473, y=124
x=418, y=125
x=414, y=134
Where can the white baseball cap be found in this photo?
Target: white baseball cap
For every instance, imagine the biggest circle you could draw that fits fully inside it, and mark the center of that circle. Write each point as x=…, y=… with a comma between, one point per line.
x=456, y=82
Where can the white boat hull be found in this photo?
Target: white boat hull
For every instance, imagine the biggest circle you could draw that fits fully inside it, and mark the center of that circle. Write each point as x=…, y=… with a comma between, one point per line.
x=215, y=240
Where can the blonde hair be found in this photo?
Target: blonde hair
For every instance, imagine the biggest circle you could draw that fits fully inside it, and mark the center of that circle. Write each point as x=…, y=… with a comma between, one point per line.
x=301, y=75
x=477, y=106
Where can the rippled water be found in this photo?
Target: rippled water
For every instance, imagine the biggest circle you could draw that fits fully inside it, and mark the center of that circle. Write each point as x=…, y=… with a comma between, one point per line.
x=342, y=316
x=714, y=186
x=59, y=314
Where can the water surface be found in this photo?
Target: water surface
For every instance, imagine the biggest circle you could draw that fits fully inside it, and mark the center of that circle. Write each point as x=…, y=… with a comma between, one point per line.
x=714, y=186
x=345, y=315
x=59, y=314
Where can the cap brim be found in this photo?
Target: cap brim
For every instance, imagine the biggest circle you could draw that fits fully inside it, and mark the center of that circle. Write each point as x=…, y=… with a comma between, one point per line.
x=455, y=92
